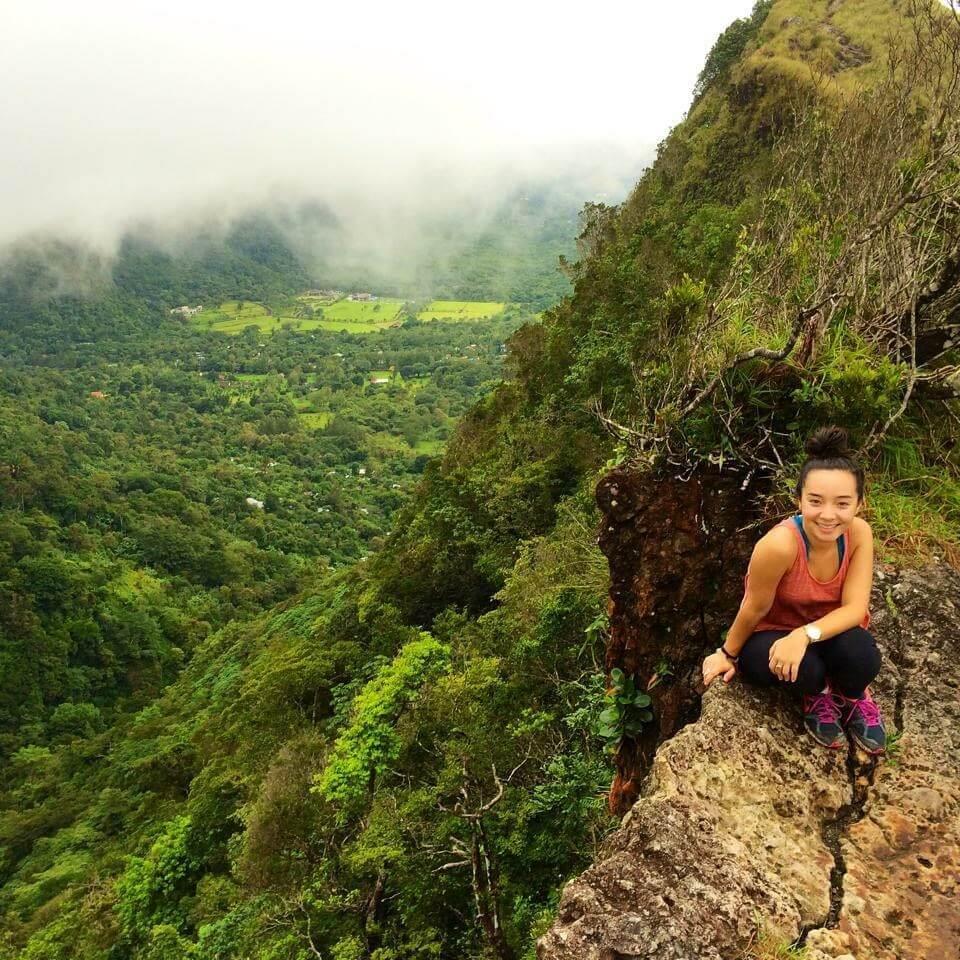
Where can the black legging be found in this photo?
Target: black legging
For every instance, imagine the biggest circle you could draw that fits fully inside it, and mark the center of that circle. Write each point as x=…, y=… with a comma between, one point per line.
x=850, y=660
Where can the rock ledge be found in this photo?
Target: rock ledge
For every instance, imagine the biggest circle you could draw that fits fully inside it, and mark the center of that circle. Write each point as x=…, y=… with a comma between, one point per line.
x=744, y=823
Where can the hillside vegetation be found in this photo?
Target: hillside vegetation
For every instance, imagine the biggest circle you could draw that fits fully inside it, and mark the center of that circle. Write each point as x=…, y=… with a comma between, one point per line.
x=409, y=757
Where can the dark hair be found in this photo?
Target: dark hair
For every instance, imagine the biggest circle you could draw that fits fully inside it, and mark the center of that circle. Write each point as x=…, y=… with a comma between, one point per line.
x=827, y=449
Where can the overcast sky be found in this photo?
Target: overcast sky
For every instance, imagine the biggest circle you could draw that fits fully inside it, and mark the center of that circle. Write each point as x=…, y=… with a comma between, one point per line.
x=114, y=111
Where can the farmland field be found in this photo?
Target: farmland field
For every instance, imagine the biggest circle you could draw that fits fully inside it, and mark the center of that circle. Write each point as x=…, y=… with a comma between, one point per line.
x=346, y=326
x=348, y=316
x=233, y=316
x=460, y=310
x=370, y=312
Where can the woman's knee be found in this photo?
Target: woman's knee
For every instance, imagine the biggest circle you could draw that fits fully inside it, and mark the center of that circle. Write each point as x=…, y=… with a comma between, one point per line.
x=754, y=663
x=854, y=660
x=854, y=648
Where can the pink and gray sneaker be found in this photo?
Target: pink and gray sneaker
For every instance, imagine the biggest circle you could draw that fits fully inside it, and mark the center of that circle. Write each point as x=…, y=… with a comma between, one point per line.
x=862, y=722
x=822, y=719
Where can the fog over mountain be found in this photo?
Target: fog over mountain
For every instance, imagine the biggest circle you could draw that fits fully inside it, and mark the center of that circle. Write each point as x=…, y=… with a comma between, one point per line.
x=391, y=116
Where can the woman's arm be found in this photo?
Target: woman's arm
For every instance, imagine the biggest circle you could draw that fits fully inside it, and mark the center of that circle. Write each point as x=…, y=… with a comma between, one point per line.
x=772, y=558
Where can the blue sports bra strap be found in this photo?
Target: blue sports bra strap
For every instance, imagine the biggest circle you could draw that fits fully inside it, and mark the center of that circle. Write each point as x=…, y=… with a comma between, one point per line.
x=841, y=543
x=798, y=520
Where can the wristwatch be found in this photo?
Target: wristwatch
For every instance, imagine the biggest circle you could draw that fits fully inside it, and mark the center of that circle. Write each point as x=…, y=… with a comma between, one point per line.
x=813, y=633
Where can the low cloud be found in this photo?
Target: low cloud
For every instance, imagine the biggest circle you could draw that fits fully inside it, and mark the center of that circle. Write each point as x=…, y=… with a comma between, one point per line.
x=392, y=116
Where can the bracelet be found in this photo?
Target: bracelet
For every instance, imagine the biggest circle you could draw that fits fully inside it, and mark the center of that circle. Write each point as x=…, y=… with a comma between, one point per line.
x=734, y=660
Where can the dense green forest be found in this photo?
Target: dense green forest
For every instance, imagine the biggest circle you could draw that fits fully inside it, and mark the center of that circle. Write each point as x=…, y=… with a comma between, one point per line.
x=127, y=528
x=224, y=738
x=163, y=483
x=161, y=479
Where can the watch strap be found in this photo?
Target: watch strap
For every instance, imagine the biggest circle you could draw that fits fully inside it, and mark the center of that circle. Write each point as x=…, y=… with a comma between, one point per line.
x=729, y=656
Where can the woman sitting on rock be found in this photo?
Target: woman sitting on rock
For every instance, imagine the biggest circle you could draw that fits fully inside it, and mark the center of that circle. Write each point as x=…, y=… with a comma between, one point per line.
x=804, y=613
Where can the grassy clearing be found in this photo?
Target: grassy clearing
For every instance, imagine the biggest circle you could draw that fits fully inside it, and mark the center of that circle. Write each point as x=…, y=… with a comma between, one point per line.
x=344, y=326
x=379, y=312
x=343, y=316
x=315, y=421
x=233, y=315
x=233, y=309
x=349, y=316
x=454, y=310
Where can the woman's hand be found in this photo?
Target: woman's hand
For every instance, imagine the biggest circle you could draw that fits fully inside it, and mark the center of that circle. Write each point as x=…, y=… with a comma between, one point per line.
x=717, y=665
x=786, y=654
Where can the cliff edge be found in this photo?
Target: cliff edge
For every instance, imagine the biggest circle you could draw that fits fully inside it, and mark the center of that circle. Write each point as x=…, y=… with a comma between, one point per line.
x=747, y=833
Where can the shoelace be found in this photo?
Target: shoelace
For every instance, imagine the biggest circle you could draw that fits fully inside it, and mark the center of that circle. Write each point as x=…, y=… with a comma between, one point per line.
x=824, y=708
x=868, y=710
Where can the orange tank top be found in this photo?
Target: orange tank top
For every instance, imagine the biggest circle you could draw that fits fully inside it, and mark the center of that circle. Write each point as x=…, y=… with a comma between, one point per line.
x=800, y=597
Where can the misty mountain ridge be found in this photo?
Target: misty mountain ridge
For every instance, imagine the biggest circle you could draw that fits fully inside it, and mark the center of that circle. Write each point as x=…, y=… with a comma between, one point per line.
x=501, y=243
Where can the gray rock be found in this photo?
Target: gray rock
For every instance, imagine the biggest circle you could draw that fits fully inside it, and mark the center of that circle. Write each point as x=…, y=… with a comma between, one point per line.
x=742, y=819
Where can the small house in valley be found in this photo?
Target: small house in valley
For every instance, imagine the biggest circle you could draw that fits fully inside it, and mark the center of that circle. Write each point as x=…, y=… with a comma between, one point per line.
x=186, y=312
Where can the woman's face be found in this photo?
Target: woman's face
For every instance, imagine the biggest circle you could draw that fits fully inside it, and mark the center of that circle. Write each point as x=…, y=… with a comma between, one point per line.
x=828, y=504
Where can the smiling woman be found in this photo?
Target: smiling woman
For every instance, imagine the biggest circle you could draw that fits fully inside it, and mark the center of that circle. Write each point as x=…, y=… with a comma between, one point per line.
x=804, y=615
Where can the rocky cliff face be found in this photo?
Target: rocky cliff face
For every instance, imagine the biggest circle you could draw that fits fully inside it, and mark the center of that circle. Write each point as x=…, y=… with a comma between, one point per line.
x=745, y=830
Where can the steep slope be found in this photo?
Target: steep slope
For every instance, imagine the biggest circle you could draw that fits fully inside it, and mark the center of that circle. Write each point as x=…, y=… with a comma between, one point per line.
x=803, y=328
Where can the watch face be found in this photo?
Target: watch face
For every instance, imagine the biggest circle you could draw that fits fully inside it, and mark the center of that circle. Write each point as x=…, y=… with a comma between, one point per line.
x=813, y=633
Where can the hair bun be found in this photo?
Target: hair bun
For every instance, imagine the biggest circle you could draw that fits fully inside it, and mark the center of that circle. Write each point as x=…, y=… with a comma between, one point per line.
x=827, y=442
